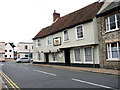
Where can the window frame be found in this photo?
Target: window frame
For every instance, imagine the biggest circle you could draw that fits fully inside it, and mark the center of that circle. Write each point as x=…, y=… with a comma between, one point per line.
x=38, y=57
x=64, y=36
x=25, y=47
x=49, y=38
x=38, y=43
x=91, y=55
x=74, y=56
x=109, y=49
x=107, y=19
x=77, y=33
x=55, y=57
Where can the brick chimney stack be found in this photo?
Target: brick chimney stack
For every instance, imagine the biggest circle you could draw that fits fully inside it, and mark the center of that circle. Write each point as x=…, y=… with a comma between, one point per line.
x=55, y=15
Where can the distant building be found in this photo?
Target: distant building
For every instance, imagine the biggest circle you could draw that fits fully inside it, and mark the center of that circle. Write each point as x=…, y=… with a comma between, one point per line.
x=9, y=50
x=25, y=49
x=2, y=51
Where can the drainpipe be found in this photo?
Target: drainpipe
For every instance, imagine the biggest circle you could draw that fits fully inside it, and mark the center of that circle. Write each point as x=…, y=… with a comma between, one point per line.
x=93, y=56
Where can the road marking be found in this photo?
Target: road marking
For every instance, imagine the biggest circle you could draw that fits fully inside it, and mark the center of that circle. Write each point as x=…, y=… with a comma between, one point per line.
x=45, y=72
x=12, y=84
x=93, y=83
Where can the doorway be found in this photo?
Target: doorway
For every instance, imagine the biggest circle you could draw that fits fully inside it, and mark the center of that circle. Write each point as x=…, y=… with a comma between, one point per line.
x=67, y=57
x=46, y=58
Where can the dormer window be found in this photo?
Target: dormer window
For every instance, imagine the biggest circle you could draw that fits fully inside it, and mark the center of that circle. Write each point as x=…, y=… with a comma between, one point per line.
x=112, y=23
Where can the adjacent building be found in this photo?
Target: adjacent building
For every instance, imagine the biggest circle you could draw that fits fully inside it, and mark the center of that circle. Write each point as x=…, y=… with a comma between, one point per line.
x=70, y=40
x=2, y=51
x=109, y=36
x=25, y=49
x=9, y=50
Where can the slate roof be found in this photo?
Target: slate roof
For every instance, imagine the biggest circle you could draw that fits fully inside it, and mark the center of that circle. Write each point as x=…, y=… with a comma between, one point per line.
x=110, y=8
x=80, y=16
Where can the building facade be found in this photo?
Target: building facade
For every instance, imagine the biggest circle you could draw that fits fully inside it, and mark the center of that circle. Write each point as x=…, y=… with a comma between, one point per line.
x=109, y=36
x=2, y=51
x=25, y=49
x=9, y=50
x=70, y=40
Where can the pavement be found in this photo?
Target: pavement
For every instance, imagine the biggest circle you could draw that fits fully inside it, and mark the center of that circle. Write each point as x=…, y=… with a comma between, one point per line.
x=95, y=70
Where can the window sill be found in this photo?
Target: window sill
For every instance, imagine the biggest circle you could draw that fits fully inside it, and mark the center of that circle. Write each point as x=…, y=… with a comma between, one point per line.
x=66, y=41
x=53, y=61
x=89, y=62
x=113, y=59
x=77, y=62
x=79, y=39
x=112, y=30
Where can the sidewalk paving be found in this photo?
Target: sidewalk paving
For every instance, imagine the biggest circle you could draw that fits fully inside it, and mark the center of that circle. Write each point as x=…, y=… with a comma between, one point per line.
x=95, y=70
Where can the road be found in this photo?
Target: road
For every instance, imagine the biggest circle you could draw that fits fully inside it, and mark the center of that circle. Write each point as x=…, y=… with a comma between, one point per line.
x=25, y=75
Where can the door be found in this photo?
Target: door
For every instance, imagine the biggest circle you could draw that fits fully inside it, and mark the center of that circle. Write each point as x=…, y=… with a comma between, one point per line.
x=67, y=57
x=46, y=57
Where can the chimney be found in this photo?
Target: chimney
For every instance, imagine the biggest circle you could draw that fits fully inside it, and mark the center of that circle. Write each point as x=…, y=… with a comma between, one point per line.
x=55, y=15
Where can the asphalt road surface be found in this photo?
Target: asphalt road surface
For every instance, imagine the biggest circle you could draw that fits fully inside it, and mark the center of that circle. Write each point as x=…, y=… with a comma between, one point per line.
x=25, y=75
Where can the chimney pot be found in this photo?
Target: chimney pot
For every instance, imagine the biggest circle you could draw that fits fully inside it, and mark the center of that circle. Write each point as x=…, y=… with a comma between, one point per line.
x=55, y=15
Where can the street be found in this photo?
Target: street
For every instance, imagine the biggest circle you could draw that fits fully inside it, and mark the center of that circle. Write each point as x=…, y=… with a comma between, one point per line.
x=25, y=75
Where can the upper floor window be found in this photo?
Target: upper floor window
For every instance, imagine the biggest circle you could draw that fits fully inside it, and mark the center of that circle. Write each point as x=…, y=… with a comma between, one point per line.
x=49, y=41
x=38, y=42
x=26, y=47
x=79, y=32
x=5, y=50
x=113, y=50
x=66, y=35
x=0, y=46
x=112, y=23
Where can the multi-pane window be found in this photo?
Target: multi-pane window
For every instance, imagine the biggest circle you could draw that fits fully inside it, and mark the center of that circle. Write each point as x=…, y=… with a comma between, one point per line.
x=54, y=58
x=112, y=23
x=38, y=42
x=66, y=35
x=49, y=41
x=0, y=46
x=1, y=55
x=88, y=54
x=77, y=55
x=79, y=32
x=113, y=50
x=26, y=47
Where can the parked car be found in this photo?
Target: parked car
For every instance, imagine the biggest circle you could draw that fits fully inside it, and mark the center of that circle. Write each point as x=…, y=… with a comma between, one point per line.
x=25, y=59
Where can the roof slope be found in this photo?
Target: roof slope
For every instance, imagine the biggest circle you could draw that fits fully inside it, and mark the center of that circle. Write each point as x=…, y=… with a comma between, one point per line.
x=110, y=8
x=78, y=17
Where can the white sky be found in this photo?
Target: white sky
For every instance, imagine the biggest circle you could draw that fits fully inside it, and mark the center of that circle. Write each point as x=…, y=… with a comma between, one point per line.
x=21, y=20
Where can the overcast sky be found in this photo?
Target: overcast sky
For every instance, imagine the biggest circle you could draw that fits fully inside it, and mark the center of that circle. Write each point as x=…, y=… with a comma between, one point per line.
x=21, y=20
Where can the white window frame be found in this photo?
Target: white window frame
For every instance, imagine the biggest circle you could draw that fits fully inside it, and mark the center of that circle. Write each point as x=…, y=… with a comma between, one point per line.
x=116, y=24
x=76, y=32
x=118, y=51
x=55, y=57
x=92, y=56
x=64, y=36
x=38, y=43
x=74, y=56
x=49, y=38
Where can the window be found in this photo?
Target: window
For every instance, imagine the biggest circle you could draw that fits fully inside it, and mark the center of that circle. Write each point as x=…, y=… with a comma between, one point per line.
x=5, y=50
x=26, y=47
x=88, y=54
x=54, y=58
x=32, y=47
x=10, y=50
x=79, y=32
x=49, y=42
x=0, y=46
x=31, y=55
x=26, y=55
x=38, y=56
x=77, y=55
x=38, y=42
x=66, y=35
x=10, y=55
x=112, y=23
x=113, y=50
x=1, y=55
x=5, y=55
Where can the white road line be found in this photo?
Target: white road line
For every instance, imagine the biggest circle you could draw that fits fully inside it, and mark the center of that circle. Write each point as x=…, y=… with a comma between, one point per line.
x=45, y=72
x=93, y=83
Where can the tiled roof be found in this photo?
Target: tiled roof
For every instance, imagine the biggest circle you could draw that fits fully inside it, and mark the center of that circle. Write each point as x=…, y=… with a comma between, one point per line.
x=110, y=8
x=78, y=17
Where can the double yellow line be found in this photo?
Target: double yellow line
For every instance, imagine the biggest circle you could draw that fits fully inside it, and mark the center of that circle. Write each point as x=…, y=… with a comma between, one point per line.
x=12, y=84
